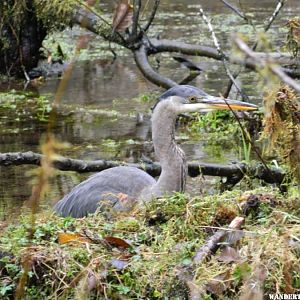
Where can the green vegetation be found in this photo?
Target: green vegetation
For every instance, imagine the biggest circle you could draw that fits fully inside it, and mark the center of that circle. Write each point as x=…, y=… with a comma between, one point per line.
x=220, y=130
x=21, y=106
x=161, y=240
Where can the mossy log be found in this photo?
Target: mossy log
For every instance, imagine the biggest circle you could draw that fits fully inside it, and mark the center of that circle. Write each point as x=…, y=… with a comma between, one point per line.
x=234, y=172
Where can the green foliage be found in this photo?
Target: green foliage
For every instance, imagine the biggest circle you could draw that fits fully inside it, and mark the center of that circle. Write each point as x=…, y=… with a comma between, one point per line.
x=55, y=14
x=22, y=105
x=220, y=124
x=220, y=130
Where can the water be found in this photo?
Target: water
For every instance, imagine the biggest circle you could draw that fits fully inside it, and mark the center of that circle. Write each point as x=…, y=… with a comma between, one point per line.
x=100, y=109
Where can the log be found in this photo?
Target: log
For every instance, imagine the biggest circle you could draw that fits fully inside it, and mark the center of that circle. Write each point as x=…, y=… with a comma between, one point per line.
x=233, y=172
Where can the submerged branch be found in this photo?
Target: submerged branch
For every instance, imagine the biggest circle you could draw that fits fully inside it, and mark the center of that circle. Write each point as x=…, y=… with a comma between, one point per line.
x=234, y=173
x=141, y=59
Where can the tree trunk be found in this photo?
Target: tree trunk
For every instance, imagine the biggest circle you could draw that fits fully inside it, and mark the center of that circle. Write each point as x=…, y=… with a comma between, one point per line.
x=21, y=37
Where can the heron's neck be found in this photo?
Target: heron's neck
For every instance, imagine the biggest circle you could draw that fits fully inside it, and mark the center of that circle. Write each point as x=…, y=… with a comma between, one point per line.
x=169, y=154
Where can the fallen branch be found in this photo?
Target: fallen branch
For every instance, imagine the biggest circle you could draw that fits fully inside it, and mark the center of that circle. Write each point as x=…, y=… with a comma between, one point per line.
x=221, y=236
x=229, y=236
x=234, y=172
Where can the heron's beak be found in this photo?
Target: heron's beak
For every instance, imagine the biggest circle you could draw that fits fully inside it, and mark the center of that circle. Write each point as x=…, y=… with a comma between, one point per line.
x=218, y=103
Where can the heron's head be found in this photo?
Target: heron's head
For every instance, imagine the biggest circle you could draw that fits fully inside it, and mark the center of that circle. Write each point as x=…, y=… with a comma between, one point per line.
x=186, y=98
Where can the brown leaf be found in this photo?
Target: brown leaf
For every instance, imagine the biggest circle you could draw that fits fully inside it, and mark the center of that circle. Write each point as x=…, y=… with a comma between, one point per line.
x=123, y=16
x=296, y=34
x=117, y=242
x=83, y=41
x=64, y=238
x=195, y=291
x=90, y=2
x=228, y=255
x=219, y=284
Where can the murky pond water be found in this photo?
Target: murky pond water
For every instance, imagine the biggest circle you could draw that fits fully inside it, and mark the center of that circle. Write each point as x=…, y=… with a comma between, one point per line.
x=101, y=110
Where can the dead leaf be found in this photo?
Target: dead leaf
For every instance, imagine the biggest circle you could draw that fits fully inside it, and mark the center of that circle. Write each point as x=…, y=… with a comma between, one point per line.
x=195, y=291
x=64, y=238
x=117, y=242
x=219, y=284
x=90, y=2
x=123, y=16
x=83, y=41
x=228, y=255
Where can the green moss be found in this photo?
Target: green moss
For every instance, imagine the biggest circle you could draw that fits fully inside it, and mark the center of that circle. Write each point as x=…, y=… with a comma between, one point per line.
x=164, y=237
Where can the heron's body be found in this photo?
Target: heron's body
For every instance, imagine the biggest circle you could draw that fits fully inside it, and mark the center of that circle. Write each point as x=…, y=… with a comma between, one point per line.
x=116, y=186
x=106, y=187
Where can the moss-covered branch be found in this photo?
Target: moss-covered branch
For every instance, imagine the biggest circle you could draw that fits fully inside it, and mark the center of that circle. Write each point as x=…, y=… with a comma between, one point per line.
x=234, y=173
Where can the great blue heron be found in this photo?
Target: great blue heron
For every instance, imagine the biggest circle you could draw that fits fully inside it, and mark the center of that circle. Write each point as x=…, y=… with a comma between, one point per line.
x=120, y=185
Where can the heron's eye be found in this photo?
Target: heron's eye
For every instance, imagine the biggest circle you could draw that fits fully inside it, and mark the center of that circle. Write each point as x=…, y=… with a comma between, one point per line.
x=193, y=99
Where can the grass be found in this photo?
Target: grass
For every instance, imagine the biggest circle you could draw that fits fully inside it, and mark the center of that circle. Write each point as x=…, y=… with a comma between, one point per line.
x=163, y=238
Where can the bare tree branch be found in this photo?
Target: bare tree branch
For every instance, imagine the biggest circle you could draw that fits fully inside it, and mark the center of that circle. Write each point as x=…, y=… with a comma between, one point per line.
x=143, y=47
x=152, y=16
x=141, y=59
x=136, y=14
x=234, y=9
x=267, y=27
x=266, y=63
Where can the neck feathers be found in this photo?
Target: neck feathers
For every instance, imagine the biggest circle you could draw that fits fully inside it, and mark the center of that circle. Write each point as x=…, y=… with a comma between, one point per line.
x=169, y=154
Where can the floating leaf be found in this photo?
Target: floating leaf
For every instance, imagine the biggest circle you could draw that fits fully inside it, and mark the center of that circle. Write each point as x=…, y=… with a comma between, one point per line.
x=123, y=16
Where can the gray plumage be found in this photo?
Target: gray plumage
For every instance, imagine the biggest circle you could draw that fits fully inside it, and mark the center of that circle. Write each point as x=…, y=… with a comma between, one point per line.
x=104, y=187
x=120, y=187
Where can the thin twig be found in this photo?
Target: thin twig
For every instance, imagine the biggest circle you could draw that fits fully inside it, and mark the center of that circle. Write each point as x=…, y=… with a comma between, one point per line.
x=220, y=51
x=213, y=243
x=152, y=16
x=136, y=13
x=264, y=63
x=234, y=9
x=267, y=27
